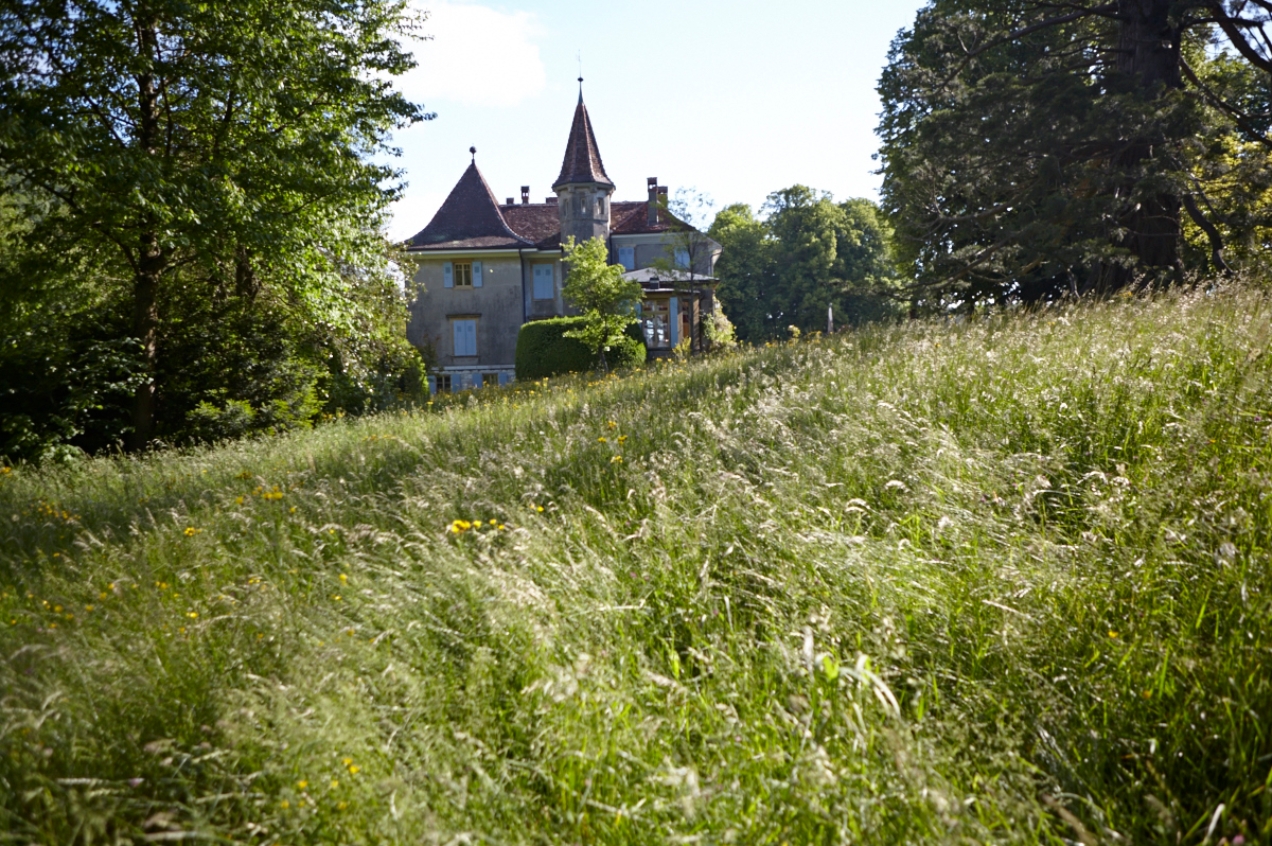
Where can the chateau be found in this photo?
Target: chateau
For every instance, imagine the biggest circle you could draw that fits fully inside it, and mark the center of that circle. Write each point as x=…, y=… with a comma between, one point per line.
x=486, y=268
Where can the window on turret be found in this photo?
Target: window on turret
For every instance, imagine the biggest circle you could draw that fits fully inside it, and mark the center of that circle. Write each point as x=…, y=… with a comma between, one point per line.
x=600, y=206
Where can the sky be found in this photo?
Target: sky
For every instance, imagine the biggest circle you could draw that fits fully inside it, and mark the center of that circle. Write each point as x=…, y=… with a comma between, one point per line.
x=734, y=99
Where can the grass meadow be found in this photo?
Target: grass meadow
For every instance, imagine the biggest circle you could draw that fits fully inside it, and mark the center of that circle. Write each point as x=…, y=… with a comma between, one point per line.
x=1000, y=581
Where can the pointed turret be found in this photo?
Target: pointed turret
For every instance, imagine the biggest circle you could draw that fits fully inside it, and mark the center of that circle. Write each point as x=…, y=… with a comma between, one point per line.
x=583, y=189
x=582, y=157
x=470, y=217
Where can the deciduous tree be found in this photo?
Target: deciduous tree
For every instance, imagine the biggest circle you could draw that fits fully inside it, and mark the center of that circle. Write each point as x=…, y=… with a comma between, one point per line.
x=229, y=146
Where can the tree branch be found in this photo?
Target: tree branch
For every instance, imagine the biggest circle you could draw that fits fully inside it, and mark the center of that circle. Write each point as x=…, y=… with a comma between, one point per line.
x=1241, y=118
x=1212, y=233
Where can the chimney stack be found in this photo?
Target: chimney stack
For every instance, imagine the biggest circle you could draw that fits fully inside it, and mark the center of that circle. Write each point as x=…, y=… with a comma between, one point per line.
x=552, y=201
x=509, y=203
x=525, y=195
x=652, y=183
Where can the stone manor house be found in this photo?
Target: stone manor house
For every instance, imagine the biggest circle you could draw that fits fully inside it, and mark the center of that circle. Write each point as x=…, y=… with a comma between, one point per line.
x=486, y=268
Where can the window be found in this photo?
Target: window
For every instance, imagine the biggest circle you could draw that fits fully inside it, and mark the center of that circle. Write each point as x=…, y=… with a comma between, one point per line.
x=600, y=205
x=682, y=257
x=655, y=319
x=465, y=337
x=543, y=287
x=463, y=274
x=490, y=380
x=444, y=383
x=627, y=257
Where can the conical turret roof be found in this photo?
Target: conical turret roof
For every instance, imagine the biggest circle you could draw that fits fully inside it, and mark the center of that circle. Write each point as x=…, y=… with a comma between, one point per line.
x=582, y=158
x=470, y=217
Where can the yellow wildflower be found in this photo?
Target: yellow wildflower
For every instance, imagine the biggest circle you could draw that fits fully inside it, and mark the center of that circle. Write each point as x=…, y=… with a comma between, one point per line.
x=618, y=459
x=191, y=531
x=302, y=784
x=344, y=579
x=602, y=440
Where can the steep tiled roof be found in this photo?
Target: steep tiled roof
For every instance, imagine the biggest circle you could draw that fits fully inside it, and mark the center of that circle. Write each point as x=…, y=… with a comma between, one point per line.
x=537, y=223
x=633, y=219
x=582, y=158
x=469, y=219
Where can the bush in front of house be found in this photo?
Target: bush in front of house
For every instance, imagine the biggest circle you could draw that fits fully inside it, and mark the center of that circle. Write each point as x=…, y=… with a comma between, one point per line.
x=543, y=350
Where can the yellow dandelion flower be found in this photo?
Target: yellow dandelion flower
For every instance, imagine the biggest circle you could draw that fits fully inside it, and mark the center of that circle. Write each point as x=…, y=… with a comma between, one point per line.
x=193, y=615
x=57, y=609
x=539, y=508
x=335, y=783
x=1112, y=633
x=238, y=500
x=618, y=459
x=602, y=440
x=612, y=424
x=346, y=761
x=354, y=769
x=340, y=806
x=302, y=785
x=284, y=804
x=191, y=531
x=622, y=439
x=494, y=522
x=335, y=597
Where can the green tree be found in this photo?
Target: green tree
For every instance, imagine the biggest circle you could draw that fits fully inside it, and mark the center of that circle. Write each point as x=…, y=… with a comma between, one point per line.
x=747, y=272
x=225, y=146
x=598, y=290
x=1034, y=149
x=810, y=254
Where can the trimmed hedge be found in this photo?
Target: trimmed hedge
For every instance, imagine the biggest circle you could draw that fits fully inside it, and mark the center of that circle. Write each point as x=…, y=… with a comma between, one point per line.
x=543, y=350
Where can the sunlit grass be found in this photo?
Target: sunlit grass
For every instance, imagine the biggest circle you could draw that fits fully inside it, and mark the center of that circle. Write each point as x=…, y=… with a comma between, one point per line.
x=1004, y=580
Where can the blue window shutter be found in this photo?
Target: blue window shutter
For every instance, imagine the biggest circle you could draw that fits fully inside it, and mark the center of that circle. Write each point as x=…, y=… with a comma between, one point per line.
x=674, y=320
x=448, y=275
x=458, y=329
x=432, y=385
x=476, y=274
x=504, y=378
x=627, y=257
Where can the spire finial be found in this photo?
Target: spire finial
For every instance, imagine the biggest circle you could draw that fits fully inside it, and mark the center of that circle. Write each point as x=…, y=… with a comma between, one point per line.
x=580, y=58
x=473, y=150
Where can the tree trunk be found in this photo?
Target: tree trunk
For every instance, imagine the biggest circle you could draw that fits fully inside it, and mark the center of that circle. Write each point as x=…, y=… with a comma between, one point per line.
x=151, y=259
x=1148, y=53
x=146, y=330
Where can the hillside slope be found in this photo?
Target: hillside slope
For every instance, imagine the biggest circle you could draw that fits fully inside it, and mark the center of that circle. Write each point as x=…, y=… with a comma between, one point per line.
x=1001, y=581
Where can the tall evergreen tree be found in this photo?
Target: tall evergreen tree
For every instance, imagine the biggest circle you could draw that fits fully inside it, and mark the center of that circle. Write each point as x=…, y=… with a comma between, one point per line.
x=1033, y=149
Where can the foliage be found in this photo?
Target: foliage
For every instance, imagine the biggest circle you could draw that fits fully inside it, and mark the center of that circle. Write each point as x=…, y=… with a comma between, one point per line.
x=229, y=147
x=992, y=581
x=1031, y=153
x=600, y=292
x=807, y=255
x=548, y=348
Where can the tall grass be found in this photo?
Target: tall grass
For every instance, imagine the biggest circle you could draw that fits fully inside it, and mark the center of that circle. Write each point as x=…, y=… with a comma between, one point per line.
x=1003, y=581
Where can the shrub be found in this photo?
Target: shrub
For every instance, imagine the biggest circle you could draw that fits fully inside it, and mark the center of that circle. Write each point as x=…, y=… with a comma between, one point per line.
x=543, y=350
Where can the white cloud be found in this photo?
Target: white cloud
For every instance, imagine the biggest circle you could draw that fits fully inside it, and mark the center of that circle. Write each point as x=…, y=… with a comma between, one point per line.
x=478, y=56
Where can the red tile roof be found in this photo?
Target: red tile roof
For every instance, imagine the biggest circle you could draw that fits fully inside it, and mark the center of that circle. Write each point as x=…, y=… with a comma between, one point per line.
x=582, y=158
x=538, y=223
x=469, y=219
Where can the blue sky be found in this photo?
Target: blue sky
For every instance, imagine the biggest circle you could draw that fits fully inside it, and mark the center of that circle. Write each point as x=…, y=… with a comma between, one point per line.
x=734, y=98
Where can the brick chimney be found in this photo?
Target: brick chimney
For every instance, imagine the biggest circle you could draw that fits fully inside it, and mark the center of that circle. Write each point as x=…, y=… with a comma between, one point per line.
x=552, y=201
x=652, y=183
x=509, y=202
x=525, y=195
